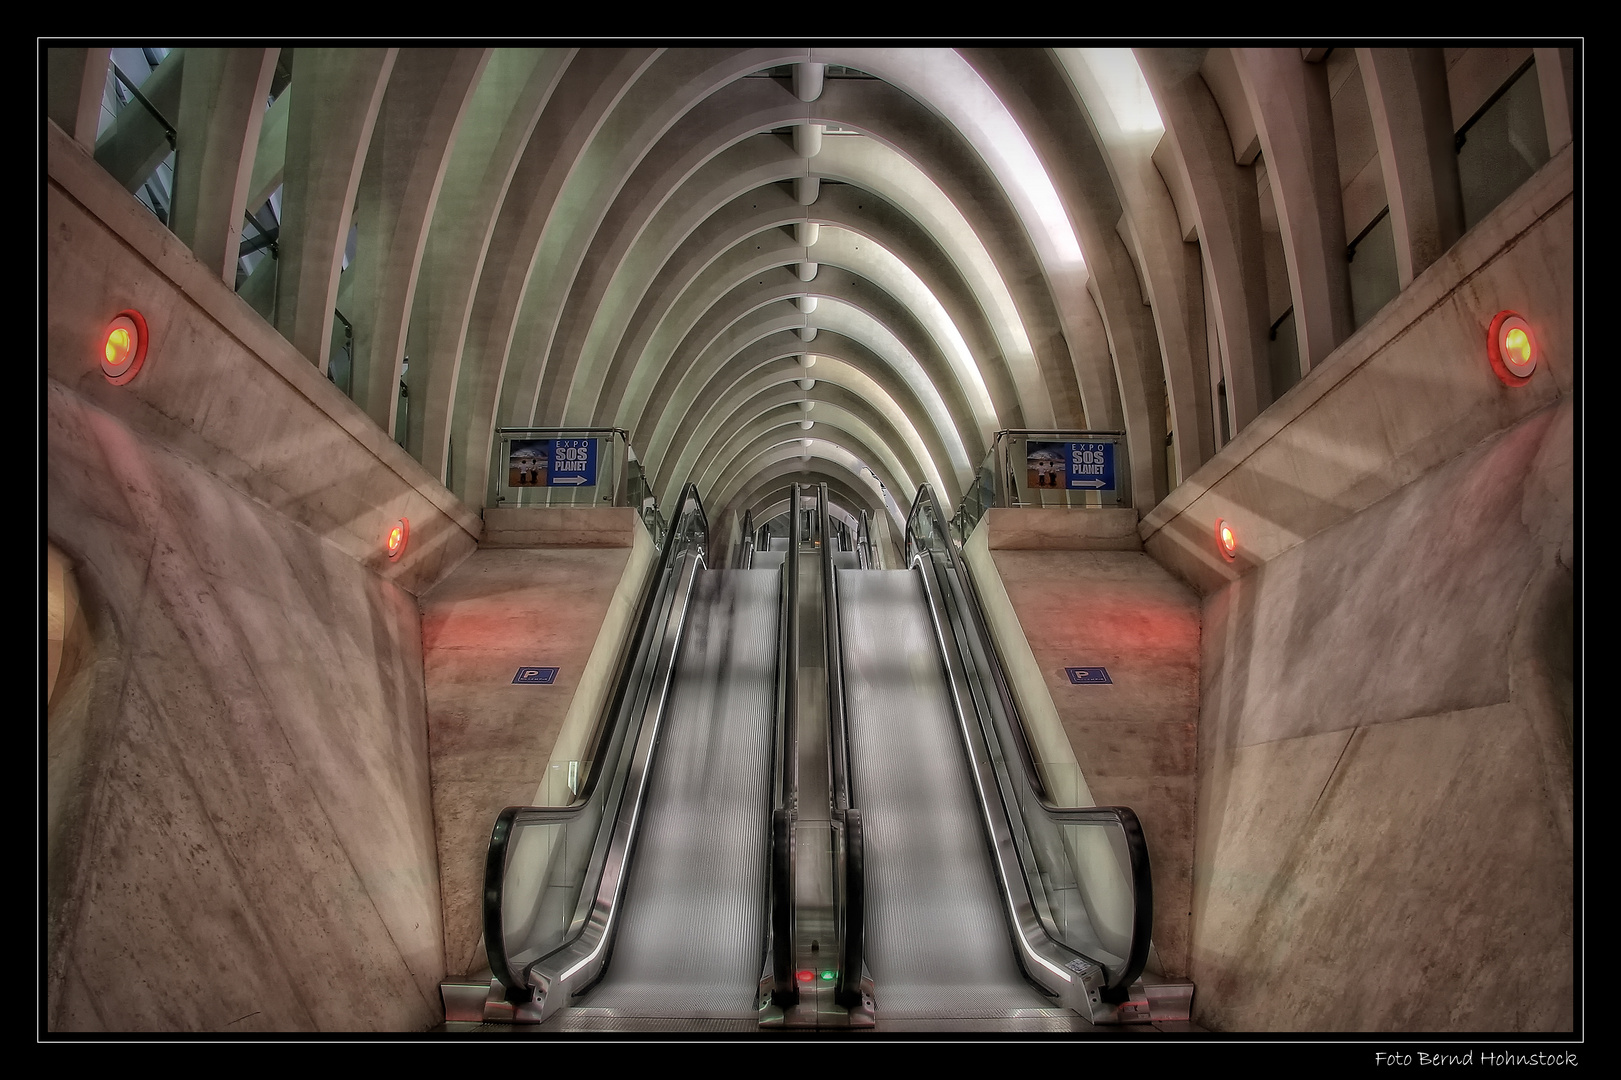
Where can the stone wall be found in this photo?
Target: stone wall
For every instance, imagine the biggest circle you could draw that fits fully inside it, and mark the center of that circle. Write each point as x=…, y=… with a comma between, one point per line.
x=1385, y=802
x=243, y=836
x=247, y=841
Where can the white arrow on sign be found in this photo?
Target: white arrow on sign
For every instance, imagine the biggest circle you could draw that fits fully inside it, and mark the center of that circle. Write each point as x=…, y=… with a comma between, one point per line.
x=1090, y=483
x=576, y=480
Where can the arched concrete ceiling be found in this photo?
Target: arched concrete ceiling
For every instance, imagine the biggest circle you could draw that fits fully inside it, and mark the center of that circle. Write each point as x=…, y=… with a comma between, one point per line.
x=963, y=240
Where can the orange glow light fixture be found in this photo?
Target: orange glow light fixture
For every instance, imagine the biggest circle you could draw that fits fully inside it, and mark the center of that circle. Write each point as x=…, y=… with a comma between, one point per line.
x=1226, y=540
x=1512, y=348
x=123, y=347
x=397, y=537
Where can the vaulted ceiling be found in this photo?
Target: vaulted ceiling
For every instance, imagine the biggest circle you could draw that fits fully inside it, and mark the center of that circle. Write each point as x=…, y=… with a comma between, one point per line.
x=771, y=264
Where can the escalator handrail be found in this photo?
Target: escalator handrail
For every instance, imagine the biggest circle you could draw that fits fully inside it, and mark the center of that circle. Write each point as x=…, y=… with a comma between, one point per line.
x=611, y=731
x=744, y=558
x=926, y=499
x=849, y=902
x=1142, y=916
x=838, y=734
x=785, y=795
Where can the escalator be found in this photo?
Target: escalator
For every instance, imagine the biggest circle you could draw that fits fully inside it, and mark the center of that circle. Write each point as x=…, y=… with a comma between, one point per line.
x=813, y=805
x=937, y=940
x=986, y=907
x=646, y=904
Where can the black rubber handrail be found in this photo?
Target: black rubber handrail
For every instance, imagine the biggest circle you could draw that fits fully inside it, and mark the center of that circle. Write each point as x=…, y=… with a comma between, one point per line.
x=744, y=558
x=785, y=811
x=607, y=742
x=1142, y=883
x=851, y=879
x=838, y=735
x=970, y=611
x=1004, y=693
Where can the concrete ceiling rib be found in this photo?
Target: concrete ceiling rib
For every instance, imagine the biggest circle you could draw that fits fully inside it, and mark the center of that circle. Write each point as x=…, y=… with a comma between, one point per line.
x=643, y=237
x=903, y=318
x=1034, y=91
x=833, y=424
x=752, y=310
x=764, y=389
x=506, y=105
x=743, y=455
x=771, y=361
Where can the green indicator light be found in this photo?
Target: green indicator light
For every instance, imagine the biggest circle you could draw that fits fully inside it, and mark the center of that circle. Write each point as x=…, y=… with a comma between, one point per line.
x=829, y=976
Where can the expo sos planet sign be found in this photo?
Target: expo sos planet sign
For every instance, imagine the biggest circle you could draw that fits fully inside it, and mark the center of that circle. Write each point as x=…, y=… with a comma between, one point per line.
x=574, y=461
x=1090, y=459
x=1071, y=465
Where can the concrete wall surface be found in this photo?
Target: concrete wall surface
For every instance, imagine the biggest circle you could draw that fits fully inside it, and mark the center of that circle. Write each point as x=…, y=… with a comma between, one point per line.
x=243, y=835
x=246, y=841
x=1385, y=761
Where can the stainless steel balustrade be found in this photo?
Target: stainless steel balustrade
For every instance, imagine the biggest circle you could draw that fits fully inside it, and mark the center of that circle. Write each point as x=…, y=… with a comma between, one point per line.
x=1075, y=881
x=620, y=478
x=555, y=875
x=1003, y=477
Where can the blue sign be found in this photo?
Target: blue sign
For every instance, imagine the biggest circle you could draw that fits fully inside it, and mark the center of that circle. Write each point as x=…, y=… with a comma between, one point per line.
x=1090, y=466
x=535, y=675
x=573, y=463
x=1081, y=675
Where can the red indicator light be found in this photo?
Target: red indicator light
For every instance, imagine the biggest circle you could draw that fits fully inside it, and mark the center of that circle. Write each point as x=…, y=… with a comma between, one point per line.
x=123, y=347
x=1226, y=540
x=806, y=976
x=1512, y=348
x=119, y=343
x=1517, y=346
x=397, y=536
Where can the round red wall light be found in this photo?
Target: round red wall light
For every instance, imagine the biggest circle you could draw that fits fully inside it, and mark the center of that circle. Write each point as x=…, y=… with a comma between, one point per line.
x=1512, y=348
x=396, y=539
x=123, y=347
x=1226, y=540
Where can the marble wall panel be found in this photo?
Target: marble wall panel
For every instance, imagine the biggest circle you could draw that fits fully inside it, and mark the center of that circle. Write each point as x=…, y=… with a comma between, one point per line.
x=221, y=387
x=1385, y=829
x=1091, y=529
x=1406, y=609
x=1409, y=877
x=258, y=851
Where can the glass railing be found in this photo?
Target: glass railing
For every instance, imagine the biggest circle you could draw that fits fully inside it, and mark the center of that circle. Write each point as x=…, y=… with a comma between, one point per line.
x=1059, y=468
x=340, y=367
x=553, y=873
x=1077, y=879
x=639, y=494
x=559, y=466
